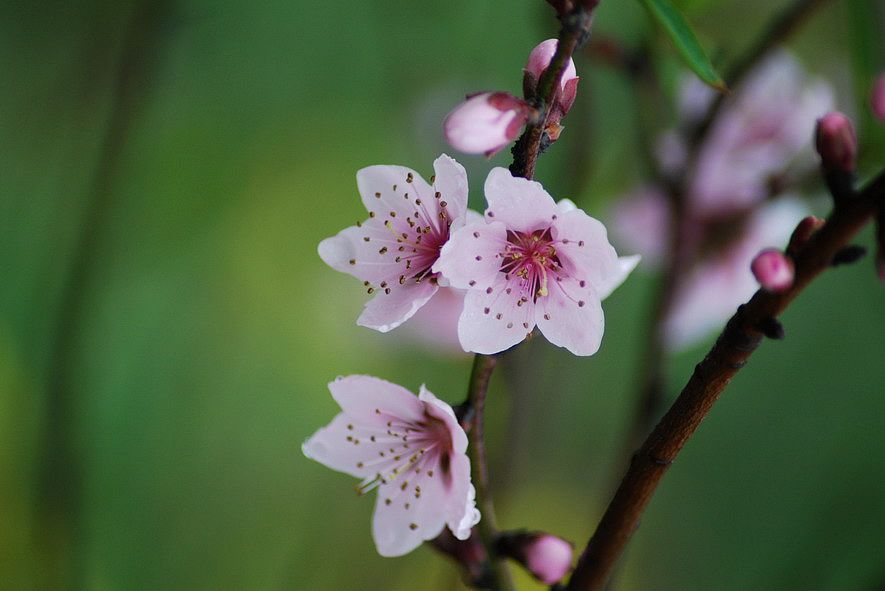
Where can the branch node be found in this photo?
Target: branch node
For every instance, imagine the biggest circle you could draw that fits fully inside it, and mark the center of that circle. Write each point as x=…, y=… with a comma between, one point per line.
x=772, y=328
x=659, y=461
x=848, y=255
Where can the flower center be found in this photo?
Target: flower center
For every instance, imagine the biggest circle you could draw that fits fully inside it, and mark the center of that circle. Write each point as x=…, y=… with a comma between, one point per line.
x=420, y=237
x=531, y=258
x=407, y=448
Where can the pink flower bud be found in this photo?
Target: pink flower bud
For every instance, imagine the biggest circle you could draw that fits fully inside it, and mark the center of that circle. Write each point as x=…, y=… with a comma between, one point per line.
x=836, y=142
x=773, y=270
x=538, y=62
x=877, y=100
x=547, y=557
x=485, y=123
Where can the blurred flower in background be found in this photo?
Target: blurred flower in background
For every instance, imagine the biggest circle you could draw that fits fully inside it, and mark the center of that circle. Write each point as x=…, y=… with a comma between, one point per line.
x=761, y=137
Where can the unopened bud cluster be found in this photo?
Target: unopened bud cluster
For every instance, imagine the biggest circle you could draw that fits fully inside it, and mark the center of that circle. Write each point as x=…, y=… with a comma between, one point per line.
x=487, y=122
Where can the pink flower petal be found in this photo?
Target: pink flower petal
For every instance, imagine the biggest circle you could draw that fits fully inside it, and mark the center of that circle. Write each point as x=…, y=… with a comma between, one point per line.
x=470, y=256
x=451, y=183
x=571, y=317
x=373, y=260
x=494, y=319
x=361, y=396
x=386, y=188
x=584, y=241
x=386, y=311
x=398, y=530
x=626, y=265
x=521, y=204
x=330, y=446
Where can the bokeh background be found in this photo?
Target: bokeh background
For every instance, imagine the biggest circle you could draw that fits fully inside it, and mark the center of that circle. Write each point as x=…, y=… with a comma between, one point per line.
x=167, y=330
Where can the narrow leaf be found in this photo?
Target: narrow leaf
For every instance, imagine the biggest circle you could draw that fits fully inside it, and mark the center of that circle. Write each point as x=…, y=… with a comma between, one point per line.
x=680, y=33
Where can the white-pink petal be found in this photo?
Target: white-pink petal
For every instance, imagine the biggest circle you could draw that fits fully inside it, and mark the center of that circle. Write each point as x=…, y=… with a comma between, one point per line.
x=571, y=317
x=522, y=205
x=470, y=256
x=330, y=446
x=494, y=319
x=389, y=188
x=370, y=399
x=451, y=183
x=386, y=311
x=584, y=241
x=626, y=265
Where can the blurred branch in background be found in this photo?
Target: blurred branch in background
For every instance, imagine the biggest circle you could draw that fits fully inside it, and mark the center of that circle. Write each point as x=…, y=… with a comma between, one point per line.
x=60, y=483
x=651, y=394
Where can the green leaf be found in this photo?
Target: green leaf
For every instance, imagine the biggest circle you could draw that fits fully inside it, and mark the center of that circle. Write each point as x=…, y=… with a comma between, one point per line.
x=685, y=41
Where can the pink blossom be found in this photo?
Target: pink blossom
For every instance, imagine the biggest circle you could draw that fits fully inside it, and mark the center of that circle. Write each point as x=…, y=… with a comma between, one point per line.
x=531, y=263
x=640, y=223
x=393, y=251
x=760, y=132
x=411, y=449
x=773, y=270
x=711, y=292
x=877, y=98
x=485, y=123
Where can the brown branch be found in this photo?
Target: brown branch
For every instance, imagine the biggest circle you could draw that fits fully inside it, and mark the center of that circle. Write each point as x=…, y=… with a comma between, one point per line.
x=732, y=350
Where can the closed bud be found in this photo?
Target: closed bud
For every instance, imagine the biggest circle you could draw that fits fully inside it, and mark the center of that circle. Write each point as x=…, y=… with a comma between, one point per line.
x=485, y=123
x=877, y=100
x=547, y=557
x=773, y=270
x=836, y=142
x=538, y=62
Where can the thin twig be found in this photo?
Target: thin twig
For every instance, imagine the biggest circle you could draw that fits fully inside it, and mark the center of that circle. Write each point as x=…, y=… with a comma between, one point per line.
x=574, y=31
x=483, y=365
x=737, y=342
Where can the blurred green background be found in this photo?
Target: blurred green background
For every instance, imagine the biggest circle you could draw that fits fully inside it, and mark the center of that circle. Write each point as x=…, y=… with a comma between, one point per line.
x=167, y=329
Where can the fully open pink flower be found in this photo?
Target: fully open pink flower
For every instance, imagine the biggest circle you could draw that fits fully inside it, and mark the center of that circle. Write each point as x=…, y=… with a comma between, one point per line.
x=411, y=449
x=531, y=263
x=394, y=250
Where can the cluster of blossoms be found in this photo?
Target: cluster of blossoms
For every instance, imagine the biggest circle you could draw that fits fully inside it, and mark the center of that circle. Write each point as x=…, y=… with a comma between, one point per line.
x=733, y=205
x=527, y=262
